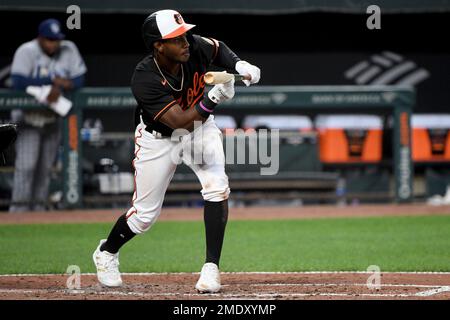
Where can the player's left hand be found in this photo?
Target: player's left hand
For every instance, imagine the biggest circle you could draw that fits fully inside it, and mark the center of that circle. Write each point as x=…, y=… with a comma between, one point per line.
x=245, y=68
x=222, y=92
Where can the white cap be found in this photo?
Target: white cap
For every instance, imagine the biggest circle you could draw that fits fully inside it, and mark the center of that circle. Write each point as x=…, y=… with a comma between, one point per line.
x=171, y=24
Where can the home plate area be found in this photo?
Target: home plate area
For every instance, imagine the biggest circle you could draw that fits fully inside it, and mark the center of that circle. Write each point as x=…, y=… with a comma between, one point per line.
x=239, y=285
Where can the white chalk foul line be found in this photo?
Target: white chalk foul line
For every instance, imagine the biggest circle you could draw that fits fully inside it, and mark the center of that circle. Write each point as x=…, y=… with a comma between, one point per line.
x=428, y=293
x=432, y=292
x=338, y=285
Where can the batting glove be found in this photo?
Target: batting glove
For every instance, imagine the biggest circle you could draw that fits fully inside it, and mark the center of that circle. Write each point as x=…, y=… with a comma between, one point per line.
x=245, y=68
x=222, y=92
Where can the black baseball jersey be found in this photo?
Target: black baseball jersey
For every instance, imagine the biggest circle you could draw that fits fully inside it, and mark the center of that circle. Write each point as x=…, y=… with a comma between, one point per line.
x=153, y=94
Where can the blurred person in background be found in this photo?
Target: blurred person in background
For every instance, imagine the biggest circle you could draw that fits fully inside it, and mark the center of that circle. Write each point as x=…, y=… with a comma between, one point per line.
x=45, y=60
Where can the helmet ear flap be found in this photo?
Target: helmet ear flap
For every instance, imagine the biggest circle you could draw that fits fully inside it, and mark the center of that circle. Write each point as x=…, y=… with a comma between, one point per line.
x=150, y=32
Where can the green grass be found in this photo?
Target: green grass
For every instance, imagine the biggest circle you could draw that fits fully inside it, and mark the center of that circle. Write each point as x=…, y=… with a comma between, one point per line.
x=392, y=243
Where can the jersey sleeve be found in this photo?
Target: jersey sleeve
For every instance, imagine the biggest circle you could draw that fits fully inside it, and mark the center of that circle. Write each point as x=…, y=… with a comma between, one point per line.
x=22, y=62
x=151, y=95
x=208, y=47
x=76, y=64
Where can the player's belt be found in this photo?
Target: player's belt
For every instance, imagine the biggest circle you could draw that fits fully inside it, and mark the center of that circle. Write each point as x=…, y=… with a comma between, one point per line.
x=157, y=134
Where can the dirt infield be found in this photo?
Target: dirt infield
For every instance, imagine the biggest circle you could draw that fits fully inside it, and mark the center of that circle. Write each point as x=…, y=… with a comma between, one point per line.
x=247, y=213
x=251, y=286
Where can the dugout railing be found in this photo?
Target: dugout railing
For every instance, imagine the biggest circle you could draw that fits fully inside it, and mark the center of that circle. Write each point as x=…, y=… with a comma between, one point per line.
x=397, y=101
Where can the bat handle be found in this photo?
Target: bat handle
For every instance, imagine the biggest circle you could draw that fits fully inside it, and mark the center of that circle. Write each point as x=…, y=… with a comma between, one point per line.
x=239, y=77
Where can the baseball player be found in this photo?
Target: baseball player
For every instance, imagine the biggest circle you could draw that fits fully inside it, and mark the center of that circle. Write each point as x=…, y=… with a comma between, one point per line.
x=169, y=87
x=46, y=60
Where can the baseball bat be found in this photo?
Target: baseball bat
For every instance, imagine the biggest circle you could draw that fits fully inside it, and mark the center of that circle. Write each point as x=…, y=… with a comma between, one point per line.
x=214, y=77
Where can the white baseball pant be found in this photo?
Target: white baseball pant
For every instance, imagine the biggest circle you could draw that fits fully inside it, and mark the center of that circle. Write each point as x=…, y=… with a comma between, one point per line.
x=156, y=160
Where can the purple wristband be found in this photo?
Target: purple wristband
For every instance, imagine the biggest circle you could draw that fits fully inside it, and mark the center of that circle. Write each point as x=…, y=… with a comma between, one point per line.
x=205, y=108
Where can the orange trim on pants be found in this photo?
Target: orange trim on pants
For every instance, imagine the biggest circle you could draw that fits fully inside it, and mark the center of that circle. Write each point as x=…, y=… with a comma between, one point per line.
x=135, y=173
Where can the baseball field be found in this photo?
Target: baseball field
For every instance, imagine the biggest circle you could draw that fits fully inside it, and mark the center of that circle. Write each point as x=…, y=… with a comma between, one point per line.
x=269, y=253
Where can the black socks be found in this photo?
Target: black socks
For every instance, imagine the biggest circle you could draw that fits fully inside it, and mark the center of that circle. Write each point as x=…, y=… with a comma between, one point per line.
x=119, y=235
x=215, y=217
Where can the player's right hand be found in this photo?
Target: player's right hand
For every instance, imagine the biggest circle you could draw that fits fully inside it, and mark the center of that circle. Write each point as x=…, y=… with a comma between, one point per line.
x=222, y=92
x=245, y=68
x=54, y=94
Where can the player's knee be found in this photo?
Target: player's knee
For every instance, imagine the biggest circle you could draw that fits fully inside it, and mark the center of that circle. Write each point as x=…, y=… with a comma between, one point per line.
x=216, y=190
x=217, y=196
x=142, y=220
